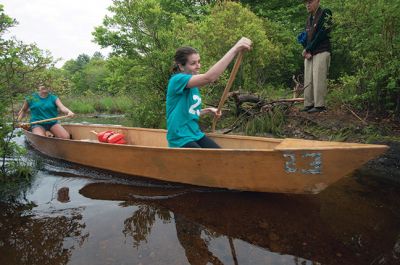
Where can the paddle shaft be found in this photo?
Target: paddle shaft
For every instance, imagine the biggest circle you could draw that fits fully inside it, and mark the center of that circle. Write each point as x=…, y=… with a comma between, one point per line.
x=228, y=87
x=51, y=119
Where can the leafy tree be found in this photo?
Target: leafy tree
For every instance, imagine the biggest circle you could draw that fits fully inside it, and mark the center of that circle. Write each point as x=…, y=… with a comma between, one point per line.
x=95, y=73
x=367, y=51
x=21, y=66
x=86, y=73
x=228, y=22
x=97, y=56
x=290, y=14
x=284, y=21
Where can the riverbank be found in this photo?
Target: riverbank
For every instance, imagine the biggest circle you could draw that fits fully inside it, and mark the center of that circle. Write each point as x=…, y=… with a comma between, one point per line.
x=343, y=124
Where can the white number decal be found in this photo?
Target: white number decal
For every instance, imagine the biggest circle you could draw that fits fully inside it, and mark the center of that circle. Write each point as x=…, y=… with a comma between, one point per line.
x=315, y=167
x=290, y=164
x=196, y=104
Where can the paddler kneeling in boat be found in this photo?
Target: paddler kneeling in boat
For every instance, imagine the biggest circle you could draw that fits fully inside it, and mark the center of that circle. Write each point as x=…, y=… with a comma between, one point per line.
x=44, y=105
x=183, y=95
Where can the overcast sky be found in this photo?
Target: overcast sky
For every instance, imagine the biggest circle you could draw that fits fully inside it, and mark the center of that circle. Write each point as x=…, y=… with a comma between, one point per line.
x=64, y=27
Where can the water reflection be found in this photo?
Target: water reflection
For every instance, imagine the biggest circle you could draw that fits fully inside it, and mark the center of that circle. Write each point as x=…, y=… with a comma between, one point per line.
x=339, y=227
x=195, y=245
x=63, y=195
x=139, y=225
x=32, y=240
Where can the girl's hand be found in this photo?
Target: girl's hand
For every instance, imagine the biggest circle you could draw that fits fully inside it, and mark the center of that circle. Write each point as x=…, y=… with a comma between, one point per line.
x=215, y=111
x=243, y=44
x=70, y=113
x=24, y=126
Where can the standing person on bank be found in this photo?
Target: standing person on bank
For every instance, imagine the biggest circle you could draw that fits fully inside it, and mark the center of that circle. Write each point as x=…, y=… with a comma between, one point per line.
x=44, y=105
x=317, y=56
x=183, y=95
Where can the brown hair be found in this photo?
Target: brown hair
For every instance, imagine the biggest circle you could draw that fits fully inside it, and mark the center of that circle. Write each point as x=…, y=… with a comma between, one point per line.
x=181, y=56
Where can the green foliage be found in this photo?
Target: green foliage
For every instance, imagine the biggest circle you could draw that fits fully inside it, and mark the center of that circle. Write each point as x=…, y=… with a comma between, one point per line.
x=87, y=74
x=22, y=66
x=149, y=112
x=290, y=14
x=18, y=178
x=269, y=122
x=218, y=32
x=284, y=20
x=367, y=46
x=125, y=76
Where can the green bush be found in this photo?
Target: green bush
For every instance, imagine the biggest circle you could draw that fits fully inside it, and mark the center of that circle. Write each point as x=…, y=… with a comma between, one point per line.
x=366, y=41
x=148, y=113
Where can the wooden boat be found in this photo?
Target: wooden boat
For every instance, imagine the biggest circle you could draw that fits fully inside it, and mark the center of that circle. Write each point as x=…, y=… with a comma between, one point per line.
x=244, y=162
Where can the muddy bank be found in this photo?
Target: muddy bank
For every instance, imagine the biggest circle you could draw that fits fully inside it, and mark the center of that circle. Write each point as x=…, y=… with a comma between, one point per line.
x=387, y=166
x=341, y=125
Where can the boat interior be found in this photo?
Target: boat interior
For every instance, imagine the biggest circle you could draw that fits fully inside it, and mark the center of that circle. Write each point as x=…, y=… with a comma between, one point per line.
x=157, y=137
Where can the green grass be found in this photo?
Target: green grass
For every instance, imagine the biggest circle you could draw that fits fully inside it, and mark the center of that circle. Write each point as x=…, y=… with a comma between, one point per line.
x=98, y=104
x=266, y=123
x=80, y=106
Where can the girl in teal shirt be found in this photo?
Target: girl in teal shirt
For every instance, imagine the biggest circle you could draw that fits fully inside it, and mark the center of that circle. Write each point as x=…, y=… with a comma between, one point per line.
x=45, y=105
x=183, y=96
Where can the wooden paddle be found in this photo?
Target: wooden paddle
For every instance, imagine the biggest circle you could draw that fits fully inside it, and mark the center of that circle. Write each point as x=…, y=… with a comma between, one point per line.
x=228, y=87
x=27, y=125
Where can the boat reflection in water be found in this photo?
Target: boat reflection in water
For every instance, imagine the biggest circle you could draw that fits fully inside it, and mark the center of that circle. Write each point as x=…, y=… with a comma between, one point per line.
x=339, y=226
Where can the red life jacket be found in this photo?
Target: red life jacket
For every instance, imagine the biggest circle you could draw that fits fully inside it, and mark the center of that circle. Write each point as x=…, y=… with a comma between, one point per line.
x=111, y=137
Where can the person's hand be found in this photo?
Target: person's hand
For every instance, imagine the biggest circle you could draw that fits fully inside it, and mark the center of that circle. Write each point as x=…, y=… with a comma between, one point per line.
x=307, y=55
x=243, y=44
x=24, y=126
x=215, y=111
x=70, y=114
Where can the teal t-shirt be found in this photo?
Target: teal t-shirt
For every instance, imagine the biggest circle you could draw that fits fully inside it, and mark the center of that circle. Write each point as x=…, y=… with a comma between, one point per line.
x=42, y=108
x=183, y=111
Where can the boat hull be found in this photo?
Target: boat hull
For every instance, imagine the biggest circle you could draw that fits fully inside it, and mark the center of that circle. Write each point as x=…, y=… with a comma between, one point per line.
x=244, y=163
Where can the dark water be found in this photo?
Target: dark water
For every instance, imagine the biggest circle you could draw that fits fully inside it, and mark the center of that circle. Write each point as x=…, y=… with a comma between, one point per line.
x=77, y=215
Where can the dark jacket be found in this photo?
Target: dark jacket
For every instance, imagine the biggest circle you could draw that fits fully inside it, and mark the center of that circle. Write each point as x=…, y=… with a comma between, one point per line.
x=318, y=28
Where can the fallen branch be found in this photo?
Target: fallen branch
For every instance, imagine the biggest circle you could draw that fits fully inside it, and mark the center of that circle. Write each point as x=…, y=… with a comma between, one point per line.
x=287, y=100
x=355, y=115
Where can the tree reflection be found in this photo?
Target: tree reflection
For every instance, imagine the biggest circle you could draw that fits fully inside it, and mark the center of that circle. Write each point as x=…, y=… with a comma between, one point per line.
x=196, y=248
x=139, y=225
x=26, y=239
x=189, y=234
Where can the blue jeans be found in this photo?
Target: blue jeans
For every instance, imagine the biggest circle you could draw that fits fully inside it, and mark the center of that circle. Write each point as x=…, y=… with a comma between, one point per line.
x=204, y=142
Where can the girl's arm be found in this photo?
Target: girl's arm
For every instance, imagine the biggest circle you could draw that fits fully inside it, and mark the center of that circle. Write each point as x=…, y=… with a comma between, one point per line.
x=63, y=108
x=23, y=111
x=217, y=69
